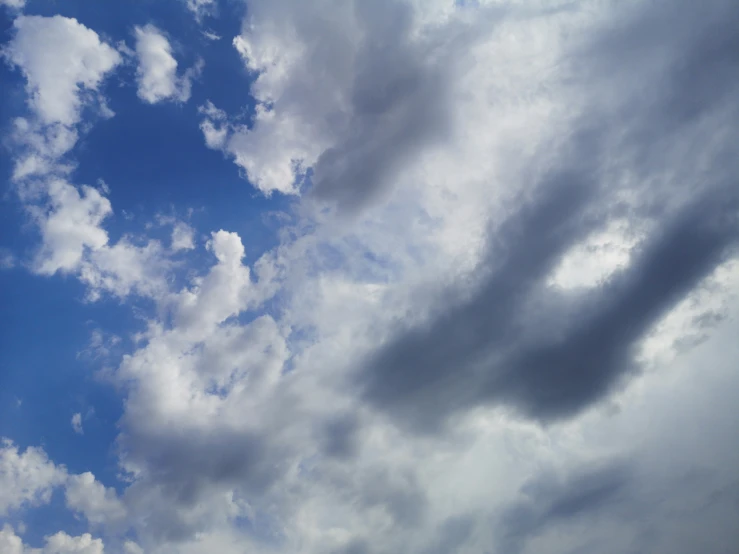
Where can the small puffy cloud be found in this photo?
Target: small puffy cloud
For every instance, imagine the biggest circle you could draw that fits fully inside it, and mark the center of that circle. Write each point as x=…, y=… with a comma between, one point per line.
x=26, y=478
x=157, y=68
x=214, y=125
x=225, y=291
x=77, y=424
x=63, y=61
x=125, y=268
x=182, y=237
x=62, y=543
x=99, y=505
x=70, y=226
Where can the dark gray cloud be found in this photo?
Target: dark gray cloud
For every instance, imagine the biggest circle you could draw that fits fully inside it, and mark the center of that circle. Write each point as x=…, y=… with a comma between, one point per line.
x=401, y=99
x=451, y=535
x=430, y=371
x=550, y=499
x=491, y=347
x=188, y=466
x=398, y=101
x=339, y=436
x=560, y=378
x=399, y=493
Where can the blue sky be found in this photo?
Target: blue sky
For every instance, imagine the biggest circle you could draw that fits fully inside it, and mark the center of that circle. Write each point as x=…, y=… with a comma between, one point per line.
x=350, y=277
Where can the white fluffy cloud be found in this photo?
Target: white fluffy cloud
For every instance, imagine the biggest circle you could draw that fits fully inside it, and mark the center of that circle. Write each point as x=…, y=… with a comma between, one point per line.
x=27, y=478
x=63, y=61
x=70, y=226
x=157, y=68
x=64, y=64
x=99, y=505
x=58, y=543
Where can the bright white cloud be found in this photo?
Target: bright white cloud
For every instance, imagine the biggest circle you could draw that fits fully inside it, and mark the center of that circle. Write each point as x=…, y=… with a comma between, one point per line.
x=125, y=268
x=157, y=68
x=70, y=227
x=99, y=505
x=27, y=478
x=63, y=61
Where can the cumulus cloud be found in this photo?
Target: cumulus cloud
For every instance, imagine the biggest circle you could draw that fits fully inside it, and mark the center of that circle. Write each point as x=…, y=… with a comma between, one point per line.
x=214, y=125
x=157, y=68
x=27, y=477
x=63, y=62
x=70, y=226
x=99, y=505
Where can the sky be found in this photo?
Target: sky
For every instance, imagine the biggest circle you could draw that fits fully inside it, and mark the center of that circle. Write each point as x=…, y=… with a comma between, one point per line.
x=346, y=277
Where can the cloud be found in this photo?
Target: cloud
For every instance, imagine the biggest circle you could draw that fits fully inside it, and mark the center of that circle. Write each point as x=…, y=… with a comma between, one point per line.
x=502, y=351
x=70, y=227
x=26, y=478
x=550, y=499
x=201, y=8
x=77, y=424
x=157, y=68
x=64, y=64
x=62, y=61
x=433, y=368
x=355, y=107
x=59, y=543
x=13, y=4
x=9, y=541
x=182, y=237
x=99, y=505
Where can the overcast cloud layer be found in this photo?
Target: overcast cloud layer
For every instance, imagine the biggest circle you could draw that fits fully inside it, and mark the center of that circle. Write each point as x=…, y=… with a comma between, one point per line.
x=498, y=312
